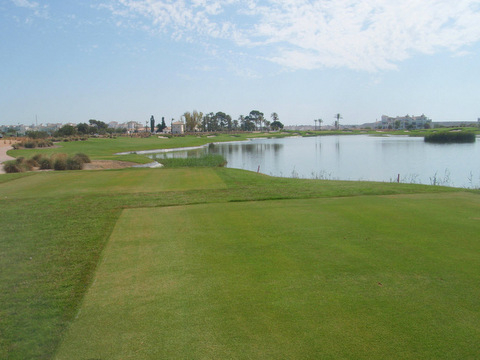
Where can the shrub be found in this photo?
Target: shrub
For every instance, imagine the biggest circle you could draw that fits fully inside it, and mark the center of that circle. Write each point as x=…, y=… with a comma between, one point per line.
x=37, y=157
x=74, y=163
x=45, y=163
x=60, y=162
x=31, y=163
x=445, y=137
x=83, y=157
x=26, y=166
x=11, y=166
x=44, y=143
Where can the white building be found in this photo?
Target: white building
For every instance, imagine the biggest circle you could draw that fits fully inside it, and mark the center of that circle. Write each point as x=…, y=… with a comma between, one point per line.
x=178, y=128
x=405, y=122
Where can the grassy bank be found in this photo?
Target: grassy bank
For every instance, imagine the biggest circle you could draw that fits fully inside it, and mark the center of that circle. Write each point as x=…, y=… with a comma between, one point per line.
x=105, y=148
x=54, y=227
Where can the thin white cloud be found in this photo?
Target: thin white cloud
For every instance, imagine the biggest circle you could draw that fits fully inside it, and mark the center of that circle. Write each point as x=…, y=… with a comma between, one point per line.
x=307, y=34
x=38, y=10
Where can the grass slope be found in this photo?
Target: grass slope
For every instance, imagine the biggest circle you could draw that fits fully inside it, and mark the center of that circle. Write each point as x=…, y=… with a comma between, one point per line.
x=46, y=184
x=298, y=279
x=53, y=228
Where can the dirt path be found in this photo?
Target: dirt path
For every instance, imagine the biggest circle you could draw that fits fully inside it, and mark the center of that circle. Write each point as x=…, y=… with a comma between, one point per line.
x=3, y=153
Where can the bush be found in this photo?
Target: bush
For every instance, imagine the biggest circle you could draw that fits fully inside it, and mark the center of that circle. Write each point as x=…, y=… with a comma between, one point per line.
x=83, y=157
x=11, y=167
x=45, y=163
x=60, y=162
x=31, y=163
x=37, y=157
x=446, y=137
x=17, y=165
x=74, y=163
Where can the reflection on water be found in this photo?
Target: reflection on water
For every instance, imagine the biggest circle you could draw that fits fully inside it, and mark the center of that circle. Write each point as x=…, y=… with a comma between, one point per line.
x=358, y=157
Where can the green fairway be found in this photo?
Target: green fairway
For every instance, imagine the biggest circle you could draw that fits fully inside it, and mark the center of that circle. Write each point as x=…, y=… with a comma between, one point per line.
x=360, y=277
x=54, y=226
x=47, y=184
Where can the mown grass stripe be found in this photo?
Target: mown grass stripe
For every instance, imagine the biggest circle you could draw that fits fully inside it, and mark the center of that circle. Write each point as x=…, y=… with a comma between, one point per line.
x=332, y=278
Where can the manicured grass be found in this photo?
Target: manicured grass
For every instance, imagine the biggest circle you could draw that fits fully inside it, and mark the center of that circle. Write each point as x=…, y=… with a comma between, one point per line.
x=297, y=279
x=127, y=181
x=54, y=225
x=49, y=249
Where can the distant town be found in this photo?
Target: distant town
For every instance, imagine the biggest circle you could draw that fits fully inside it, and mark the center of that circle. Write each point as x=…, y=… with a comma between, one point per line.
x=407, y=122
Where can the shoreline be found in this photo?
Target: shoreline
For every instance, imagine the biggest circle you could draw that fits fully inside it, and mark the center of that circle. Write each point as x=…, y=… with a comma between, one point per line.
x=155, y=151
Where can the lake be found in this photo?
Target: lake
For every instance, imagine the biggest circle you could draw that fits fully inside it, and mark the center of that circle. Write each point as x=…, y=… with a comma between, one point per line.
x=353, y=157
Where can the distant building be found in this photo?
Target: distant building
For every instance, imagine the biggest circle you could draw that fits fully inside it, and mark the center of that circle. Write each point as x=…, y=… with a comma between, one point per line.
x=178, y=128
x=405, y=122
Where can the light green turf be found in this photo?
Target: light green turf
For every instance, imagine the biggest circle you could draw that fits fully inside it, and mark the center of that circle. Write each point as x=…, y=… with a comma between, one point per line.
x=377, y=277
x=50, y=183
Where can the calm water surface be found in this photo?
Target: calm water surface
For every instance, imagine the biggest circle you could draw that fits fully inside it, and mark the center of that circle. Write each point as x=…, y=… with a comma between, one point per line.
x=356, y=157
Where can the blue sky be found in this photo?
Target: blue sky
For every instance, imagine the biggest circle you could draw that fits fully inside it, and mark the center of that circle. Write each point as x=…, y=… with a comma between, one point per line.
x=121, y=60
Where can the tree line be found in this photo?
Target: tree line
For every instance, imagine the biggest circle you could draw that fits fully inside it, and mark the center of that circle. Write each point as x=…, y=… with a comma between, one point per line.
x=220, y=121
x=194, y=121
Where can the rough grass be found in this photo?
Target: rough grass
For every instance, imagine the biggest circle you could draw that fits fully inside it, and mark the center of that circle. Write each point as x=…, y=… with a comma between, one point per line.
x=448, y=137
x=297, y=279
x=54, y=226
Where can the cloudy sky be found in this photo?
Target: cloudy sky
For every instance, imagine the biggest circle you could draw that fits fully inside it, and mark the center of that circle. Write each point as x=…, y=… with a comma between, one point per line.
x=122, y=60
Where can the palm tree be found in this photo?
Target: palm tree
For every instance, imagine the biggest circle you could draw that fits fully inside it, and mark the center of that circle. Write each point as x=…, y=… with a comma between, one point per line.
x=320, y=121
x=337, y=122
x=315, y=124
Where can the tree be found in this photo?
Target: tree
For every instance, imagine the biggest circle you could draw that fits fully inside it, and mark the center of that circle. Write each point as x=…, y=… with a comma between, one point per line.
x=235, y=124
x=161, y=126
x=193, y=120
x=256, y=117
x=320, y=121
x=83, y=128
x=152, y=124
x=246, y=123
x=32, y=134
x=97, y=126
x=209, y=122
x=223, y=121
x=276, y=125
x=337, y=121
x=66, y=130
